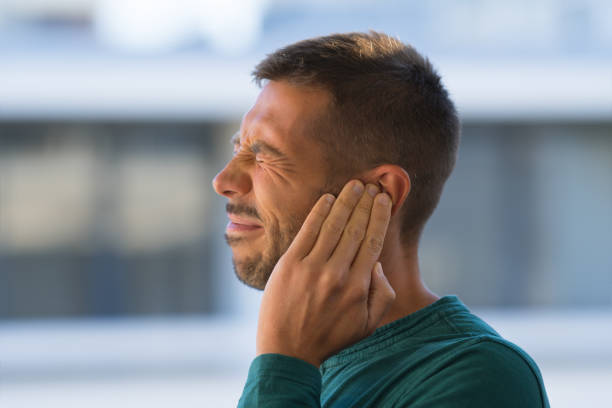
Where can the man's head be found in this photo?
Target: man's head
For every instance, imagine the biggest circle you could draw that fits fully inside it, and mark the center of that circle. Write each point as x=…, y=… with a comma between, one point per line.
x=337, y=107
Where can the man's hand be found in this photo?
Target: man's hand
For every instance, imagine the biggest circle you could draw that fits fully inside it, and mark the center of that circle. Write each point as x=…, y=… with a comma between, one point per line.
x=328, y=290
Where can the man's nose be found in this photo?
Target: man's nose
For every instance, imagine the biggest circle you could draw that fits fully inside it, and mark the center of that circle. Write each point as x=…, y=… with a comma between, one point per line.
x=232, y=181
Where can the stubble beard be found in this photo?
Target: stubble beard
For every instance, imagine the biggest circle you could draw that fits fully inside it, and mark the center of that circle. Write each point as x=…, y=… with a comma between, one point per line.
x=255, y=270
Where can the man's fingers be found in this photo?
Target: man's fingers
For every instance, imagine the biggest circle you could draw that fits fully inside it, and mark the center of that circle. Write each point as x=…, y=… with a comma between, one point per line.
x=333, y=226
x=307, y=235
x=380, y=298
x=372, y=244
x=355, y=230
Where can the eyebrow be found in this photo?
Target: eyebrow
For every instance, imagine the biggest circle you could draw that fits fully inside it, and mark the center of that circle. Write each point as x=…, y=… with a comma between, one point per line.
x=260, y=146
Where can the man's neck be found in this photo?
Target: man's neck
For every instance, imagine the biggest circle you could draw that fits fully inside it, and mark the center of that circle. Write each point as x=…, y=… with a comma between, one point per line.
x=401, y=267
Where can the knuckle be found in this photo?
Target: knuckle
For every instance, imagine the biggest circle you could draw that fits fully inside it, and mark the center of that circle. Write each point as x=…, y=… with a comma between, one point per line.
x=307, y=229
x=357, y=295
x=355, y=232
x=311, y=230
x=331, y=281
x=321, y=211
x=374, y=243
x=363, y=209
x=317, y=214
x=380, y=216
x=334, y=227
x=345, y=203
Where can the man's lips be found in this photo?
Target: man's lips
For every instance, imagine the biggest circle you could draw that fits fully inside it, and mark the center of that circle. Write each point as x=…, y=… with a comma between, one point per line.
x=241, y=224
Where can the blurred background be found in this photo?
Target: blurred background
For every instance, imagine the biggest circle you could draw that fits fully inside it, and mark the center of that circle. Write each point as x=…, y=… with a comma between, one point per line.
x=116, y=286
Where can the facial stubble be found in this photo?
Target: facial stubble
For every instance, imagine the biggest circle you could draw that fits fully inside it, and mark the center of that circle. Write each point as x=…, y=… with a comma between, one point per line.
x=255, y=270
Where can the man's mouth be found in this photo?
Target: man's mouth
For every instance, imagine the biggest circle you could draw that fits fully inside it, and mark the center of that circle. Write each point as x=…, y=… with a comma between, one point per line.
x=242, y=224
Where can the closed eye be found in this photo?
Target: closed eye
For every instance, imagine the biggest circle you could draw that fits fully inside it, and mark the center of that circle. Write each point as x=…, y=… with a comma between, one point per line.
x=261, y=153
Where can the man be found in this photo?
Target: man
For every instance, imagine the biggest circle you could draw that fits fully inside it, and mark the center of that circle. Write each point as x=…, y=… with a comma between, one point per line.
x=336, y=169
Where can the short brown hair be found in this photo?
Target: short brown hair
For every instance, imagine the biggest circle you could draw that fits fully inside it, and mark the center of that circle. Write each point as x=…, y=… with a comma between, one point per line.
x=388, y=106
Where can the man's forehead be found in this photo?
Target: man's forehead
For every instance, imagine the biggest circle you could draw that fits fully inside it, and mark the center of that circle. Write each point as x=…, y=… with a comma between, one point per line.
x=259, y=122
x=284, y=115
x=264, y=129
x=286, y=106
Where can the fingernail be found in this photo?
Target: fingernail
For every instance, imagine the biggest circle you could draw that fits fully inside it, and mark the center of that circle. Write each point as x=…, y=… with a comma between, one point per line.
x=357, y=187
x=329, y=198
x=372, y=190
x=383, y=199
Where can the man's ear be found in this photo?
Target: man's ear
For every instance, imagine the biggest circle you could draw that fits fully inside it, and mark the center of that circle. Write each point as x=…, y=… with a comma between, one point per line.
x=391, y=179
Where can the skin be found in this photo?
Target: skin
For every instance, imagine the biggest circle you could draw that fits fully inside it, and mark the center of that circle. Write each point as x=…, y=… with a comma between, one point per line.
x=319, y=257
x=280, y=190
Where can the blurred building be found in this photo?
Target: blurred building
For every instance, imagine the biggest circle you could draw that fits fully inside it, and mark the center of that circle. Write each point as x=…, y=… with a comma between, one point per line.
x=114, y=119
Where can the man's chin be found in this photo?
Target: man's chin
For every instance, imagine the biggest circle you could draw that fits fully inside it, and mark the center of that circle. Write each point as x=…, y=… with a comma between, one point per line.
x=253, y=272
x=254, y=259
x=235, y=240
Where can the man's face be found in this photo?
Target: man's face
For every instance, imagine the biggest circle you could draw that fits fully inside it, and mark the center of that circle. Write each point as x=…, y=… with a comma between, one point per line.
x=277, y=173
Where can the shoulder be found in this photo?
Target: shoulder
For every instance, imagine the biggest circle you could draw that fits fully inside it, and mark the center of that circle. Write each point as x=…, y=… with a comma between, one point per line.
x=495, y=353
x=485, y=371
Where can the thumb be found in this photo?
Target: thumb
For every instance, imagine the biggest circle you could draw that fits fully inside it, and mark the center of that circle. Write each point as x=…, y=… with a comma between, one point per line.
x=380, y=298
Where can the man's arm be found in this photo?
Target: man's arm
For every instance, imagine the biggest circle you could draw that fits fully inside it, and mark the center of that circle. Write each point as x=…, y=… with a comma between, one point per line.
x=281, y=381
x=326, y=292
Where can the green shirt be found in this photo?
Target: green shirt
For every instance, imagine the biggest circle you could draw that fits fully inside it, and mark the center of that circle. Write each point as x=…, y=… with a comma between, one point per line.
x=439, y=356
